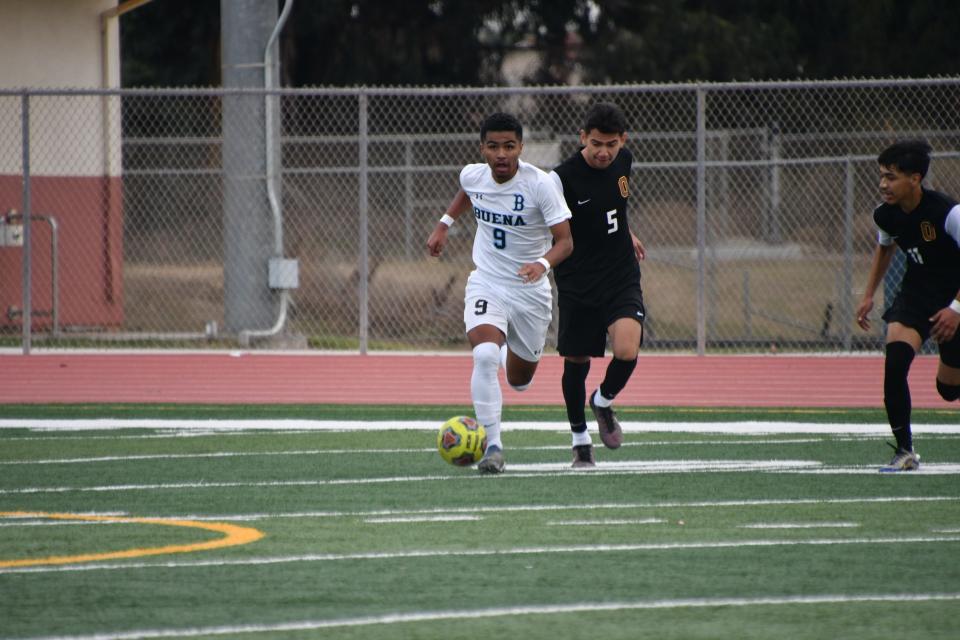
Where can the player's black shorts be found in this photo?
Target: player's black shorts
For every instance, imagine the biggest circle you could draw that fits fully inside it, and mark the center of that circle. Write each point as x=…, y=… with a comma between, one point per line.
x=915, y=312
x=583, y=325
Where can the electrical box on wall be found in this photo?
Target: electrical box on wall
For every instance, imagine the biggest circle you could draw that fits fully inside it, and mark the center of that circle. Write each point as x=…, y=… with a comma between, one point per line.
x=284, y=273
x=11, y=235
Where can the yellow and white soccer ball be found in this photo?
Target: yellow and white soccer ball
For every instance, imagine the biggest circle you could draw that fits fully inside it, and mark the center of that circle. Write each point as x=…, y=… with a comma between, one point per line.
x=461, y=441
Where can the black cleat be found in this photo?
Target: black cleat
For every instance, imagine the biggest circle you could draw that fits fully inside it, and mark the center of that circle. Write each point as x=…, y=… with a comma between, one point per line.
x=610, y=432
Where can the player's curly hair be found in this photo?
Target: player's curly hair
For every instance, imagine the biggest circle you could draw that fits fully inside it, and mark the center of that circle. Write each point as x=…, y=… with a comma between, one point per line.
x=909, y=156
x=501, y=122
x=605, y=117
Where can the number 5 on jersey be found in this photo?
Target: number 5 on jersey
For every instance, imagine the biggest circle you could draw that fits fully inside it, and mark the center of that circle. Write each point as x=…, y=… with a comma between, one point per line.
x=612, y=222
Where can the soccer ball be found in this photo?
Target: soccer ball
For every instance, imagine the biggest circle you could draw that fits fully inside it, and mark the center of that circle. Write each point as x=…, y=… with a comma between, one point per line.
x=461, y=441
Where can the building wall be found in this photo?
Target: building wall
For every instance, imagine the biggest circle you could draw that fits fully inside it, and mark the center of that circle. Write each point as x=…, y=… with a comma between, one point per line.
x=74, y=155
x=53, y=43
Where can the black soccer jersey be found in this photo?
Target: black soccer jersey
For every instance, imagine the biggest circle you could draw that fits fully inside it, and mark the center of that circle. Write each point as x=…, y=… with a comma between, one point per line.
x=603, y=255
x=930, y=243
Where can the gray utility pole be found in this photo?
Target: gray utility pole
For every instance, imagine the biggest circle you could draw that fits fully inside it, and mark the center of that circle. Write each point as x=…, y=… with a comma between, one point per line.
x=245, y=27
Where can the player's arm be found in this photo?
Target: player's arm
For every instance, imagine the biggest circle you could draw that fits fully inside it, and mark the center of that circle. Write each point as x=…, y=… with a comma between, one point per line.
x=437, y=239
x=881, y=262
x=638, y=249
x=947, y=320
x=562, y=247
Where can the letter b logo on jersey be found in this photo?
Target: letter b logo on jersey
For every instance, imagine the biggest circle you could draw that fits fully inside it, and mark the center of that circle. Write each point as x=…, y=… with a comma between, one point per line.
x=518, y=202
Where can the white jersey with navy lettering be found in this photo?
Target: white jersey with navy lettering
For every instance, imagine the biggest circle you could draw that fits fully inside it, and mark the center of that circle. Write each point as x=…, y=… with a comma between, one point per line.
x=513, y=219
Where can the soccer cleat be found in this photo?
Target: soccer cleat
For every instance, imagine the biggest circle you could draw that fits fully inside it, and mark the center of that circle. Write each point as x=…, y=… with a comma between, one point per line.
x=902, y=461
x=583, y=457
x=610, y=432
x=492, y=461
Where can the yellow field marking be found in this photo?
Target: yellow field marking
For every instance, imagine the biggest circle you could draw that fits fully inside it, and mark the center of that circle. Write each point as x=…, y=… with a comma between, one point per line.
x=233, y=535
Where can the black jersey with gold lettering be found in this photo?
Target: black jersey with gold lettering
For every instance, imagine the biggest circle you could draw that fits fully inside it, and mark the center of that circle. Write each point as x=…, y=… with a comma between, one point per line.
x=603, y=255
x=930, y=237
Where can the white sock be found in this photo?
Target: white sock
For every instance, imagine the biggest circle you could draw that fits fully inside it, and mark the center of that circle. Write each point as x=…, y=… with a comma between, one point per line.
x=485, y=390
x=581, y=438
x=503, y=356
x=599, y=400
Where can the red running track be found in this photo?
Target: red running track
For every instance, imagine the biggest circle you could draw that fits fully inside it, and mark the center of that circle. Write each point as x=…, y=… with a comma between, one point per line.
x=270, y=378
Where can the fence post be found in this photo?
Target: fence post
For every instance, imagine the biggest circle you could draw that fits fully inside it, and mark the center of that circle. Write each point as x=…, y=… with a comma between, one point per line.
x=701, y=220
x=363, y=268
x=846, y=300
x=26, y=275
x=408, y=199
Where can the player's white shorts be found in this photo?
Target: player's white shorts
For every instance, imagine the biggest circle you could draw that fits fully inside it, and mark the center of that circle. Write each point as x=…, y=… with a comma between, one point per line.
x=522, y=313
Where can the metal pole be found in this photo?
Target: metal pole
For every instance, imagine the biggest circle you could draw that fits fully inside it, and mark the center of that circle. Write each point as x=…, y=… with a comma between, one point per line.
x=408, y=199
x=363, y=289
x=846, y=296
x=27, y=276
x=248, y=224
x=701, y=221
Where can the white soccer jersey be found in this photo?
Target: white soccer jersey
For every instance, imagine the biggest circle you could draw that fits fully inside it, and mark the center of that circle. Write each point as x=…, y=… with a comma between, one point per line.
x=513, y=218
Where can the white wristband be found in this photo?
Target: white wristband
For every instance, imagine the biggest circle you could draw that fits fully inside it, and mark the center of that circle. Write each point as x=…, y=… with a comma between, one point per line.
x=447, y=220
x=545, y=263
x=955, y=305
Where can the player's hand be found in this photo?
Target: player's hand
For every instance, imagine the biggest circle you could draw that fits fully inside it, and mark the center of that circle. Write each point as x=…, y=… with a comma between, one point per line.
x=638, y=249
x=945, y=324
x=437, y=239
x=863, y=313
x=531, y=272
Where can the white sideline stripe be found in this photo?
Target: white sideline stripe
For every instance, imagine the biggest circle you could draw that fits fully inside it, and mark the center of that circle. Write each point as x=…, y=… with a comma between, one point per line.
x=510, y=551
x=523, y=610
x=805, y=525
x=212, y=454
x=386, y=451
x=526, y=471
x=396, y=520
x=172, y=433
x=741, y=427
x=604, y=522
x=567, y=507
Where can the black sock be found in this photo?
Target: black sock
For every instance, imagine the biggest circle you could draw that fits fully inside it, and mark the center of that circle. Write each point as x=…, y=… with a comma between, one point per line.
x=574, y=383
x=618, y=372
x=896, y=392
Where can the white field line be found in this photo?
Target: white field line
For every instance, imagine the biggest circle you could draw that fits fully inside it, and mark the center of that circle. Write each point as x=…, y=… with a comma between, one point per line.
x=743, y=427
x=164, y=433
x=603, y=522
x=508, y=551
x=390, y=451
x=518, y=472
x=521, y=610
x=185, y=433
x=601, y=506
x=385, y=450
x=211, y=454
x=407, y=519
x=801, y=525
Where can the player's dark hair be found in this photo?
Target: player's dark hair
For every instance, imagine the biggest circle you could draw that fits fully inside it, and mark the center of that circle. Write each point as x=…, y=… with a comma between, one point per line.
x=500, y=122
x=909, y=156
x=605, y=117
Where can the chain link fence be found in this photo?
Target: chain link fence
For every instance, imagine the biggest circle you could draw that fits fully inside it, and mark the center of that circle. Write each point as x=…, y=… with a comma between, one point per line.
x=186, y=218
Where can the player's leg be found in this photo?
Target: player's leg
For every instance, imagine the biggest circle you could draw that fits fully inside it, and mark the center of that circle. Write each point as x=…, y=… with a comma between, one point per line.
x=530, y=310
x=626, y=336
x=519, y=372
x=486, y=323
x=582, y=334
x=902, y=344
x=948, y=371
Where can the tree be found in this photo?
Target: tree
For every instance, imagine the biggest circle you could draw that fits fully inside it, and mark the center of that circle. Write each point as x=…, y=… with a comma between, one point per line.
x=446, y=42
